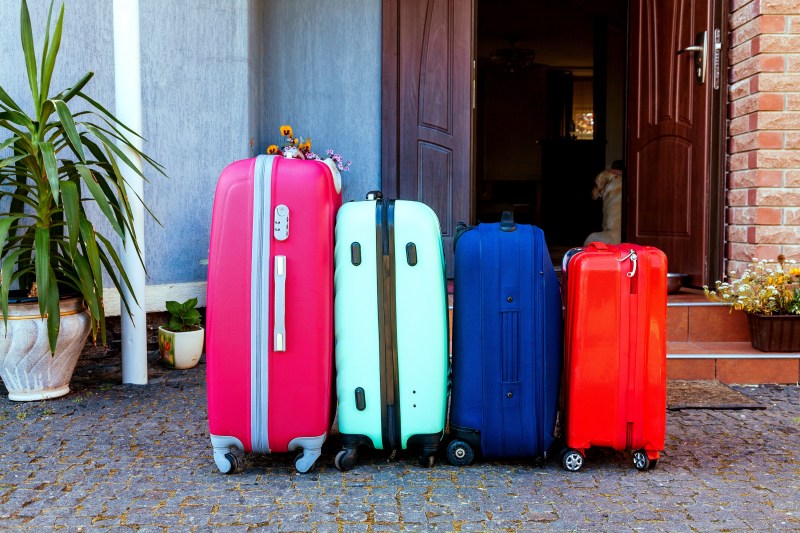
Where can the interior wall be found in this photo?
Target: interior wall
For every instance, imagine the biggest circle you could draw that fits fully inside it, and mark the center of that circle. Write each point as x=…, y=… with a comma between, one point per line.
x=615, y=94
x=324, y=79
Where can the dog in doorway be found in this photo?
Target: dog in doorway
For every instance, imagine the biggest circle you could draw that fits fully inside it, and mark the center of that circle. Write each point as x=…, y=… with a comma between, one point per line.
x=608, y=186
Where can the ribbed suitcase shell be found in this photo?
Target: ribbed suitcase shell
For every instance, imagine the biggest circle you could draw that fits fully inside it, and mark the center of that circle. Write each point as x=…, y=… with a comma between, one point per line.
x=506, y=342
x=615, y=348
x=419, y=327
x=260, y=399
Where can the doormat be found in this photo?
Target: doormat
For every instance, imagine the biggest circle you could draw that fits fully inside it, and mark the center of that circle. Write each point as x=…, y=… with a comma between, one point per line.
x=703, y=394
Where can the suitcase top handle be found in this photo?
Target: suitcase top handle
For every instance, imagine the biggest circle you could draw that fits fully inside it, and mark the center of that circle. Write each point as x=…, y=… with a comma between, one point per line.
x=374, y=195
x=507, y=221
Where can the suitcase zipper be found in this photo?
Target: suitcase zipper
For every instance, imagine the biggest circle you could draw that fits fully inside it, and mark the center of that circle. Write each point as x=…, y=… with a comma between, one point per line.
x=390, y=405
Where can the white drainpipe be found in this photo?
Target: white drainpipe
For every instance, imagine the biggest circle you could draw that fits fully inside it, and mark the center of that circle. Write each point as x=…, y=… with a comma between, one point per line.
x=128, y=90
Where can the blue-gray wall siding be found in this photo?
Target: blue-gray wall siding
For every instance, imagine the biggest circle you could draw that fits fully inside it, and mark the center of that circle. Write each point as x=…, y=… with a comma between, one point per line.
x=218, y=79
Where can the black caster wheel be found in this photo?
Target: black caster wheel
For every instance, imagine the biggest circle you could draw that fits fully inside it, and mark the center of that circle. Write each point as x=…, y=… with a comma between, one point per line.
x=237, y=465
x=653, y=464
x=345, y=460
x=640, y=460
x=427, y=460
x=459, y=453
x=571, y=460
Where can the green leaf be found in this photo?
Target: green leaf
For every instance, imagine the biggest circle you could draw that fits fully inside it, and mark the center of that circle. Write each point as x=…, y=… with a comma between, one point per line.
x=90, y=243
x=87, y=284
x=51, y=167
x=7, y=274
x=5, y=225
x=71, y=201
x=69, y=127
x=99, y=197
x=108, y=143
x=173, y=307
x=70, y=93
x=7, y=100
x=49, y=53
x=116, y=267
x=11, y=160
x=105, y=112
x=5, y=144
x=30, y=54
x=42, y=261
x=53, y=313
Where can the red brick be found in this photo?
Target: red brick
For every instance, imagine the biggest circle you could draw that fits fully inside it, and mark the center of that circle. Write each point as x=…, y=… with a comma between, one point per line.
x=737, y=198
x=752, y=159
x=741, y=179
x=794, y=24
x=742, y=4
x=745, y=69
x=769, y=178
x=776, y=159
x=792, y=251
x=740, y=89
x=769, y=139
x=745, y=32
x=793, y=140
x=754, y=84
x=771, y=63
x=770, y=216
x=782, y=43
x=781, y=197
x=771, y=120
x=743, y=106
x=744, y=216
x=791, y=217
x=778, y=82
x=736, y=234
x=744, y=51
x=788, y=7
x=773, y=24
x=768, y=251
x=742, y=253
x=792, y=178
x=751, y=235
x=752, y=197
x=793, y=102
x=739, y=125
x=775, y=235
x=770, y=102
x=743, y=15
x=743, y=143
x=738, y=161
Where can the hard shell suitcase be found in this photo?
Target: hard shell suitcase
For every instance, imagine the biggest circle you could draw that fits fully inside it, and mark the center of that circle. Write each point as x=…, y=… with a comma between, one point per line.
x=507, y=346
x=391, y=328
x=269, y=322
x=615, y=351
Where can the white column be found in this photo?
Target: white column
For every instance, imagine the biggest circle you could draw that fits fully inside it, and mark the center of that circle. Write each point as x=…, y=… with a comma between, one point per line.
x=128, y=87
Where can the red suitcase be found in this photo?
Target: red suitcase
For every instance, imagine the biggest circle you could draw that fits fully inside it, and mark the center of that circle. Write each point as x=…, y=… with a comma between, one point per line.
x=615, y=351
x=269, y=314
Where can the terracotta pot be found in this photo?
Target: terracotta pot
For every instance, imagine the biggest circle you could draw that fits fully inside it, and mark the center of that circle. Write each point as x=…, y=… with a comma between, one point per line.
x=180, y=349
x=29, y=370
x=775, y=333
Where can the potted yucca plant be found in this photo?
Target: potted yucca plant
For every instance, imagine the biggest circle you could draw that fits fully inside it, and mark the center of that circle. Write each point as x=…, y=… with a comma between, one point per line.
x=54, y=161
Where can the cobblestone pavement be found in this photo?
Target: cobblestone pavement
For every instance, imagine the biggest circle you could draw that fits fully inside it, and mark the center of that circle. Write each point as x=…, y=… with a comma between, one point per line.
x=138, y=457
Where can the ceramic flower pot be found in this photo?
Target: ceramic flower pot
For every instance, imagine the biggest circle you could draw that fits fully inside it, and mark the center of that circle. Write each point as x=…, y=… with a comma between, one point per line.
x=775, y=333
x=180, y=349
x=29, y=370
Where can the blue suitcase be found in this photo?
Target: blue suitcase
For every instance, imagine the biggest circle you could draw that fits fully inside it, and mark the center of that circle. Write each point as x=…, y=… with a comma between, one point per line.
x=507, y=343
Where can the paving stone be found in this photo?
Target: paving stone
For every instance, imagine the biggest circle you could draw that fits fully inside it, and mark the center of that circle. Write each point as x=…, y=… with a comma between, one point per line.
x=139, y=457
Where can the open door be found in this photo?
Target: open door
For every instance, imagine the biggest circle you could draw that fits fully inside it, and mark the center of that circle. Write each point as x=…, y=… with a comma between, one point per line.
x=674, y=187
x=427, y=108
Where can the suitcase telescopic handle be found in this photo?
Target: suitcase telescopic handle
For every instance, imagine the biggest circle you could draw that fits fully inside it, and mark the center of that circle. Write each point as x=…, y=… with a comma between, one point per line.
x=279, y=336
x=507, y=221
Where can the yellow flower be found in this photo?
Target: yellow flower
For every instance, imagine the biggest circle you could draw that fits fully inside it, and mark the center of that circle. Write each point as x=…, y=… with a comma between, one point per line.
x=286, y=130
x=306, y=146
x=794, y=272
x=272, y=149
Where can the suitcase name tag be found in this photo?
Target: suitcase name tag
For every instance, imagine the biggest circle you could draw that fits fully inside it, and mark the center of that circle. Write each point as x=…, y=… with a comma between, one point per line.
x=633, y=257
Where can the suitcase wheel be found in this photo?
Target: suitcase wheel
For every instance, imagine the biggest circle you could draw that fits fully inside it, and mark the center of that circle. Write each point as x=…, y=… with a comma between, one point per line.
x=459, y=453
x=642, y=462
x=571, y=460
x=230, y=463
x=303, y=463
x=345, y=459
x=427, y=459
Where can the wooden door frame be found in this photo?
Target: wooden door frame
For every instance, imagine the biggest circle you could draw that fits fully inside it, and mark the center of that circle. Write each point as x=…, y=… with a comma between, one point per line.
x=390, y=101
x=717, y=239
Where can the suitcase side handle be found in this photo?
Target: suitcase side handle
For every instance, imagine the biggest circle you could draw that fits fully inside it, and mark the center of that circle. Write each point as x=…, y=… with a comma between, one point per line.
x=279, y=336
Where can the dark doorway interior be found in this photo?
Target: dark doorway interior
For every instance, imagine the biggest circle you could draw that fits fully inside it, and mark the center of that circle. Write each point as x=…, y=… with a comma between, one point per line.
x=549, y=111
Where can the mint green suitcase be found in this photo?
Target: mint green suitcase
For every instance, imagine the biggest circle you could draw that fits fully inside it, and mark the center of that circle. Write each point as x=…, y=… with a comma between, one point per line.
x=390, y=306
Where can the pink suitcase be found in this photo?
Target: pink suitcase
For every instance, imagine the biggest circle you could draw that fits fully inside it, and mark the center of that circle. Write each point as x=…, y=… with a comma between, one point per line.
x=269, y=314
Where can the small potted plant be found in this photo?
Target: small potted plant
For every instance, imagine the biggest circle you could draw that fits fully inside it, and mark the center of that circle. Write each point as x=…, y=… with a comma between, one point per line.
x=769, y=292
x=180, y=341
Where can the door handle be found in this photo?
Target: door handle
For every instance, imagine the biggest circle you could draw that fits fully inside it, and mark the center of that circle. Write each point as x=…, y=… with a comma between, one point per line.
x=700, y=50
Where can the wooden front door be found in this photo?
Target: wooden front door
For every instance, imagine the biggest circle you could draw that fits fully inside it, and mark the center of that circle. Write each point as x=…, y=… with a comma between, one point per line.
x=427, y=108
x=674, y=187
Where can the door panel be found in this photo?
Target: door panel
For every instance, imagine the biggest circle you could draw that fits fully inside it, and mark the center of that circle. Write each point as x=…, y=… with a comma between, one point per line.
x=671, y=137
x=426, y=108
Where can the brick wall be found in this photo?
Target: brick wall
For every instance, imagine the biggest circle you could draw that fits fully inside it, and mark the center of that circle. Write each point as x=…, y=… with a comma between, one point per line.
x=763, y=215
